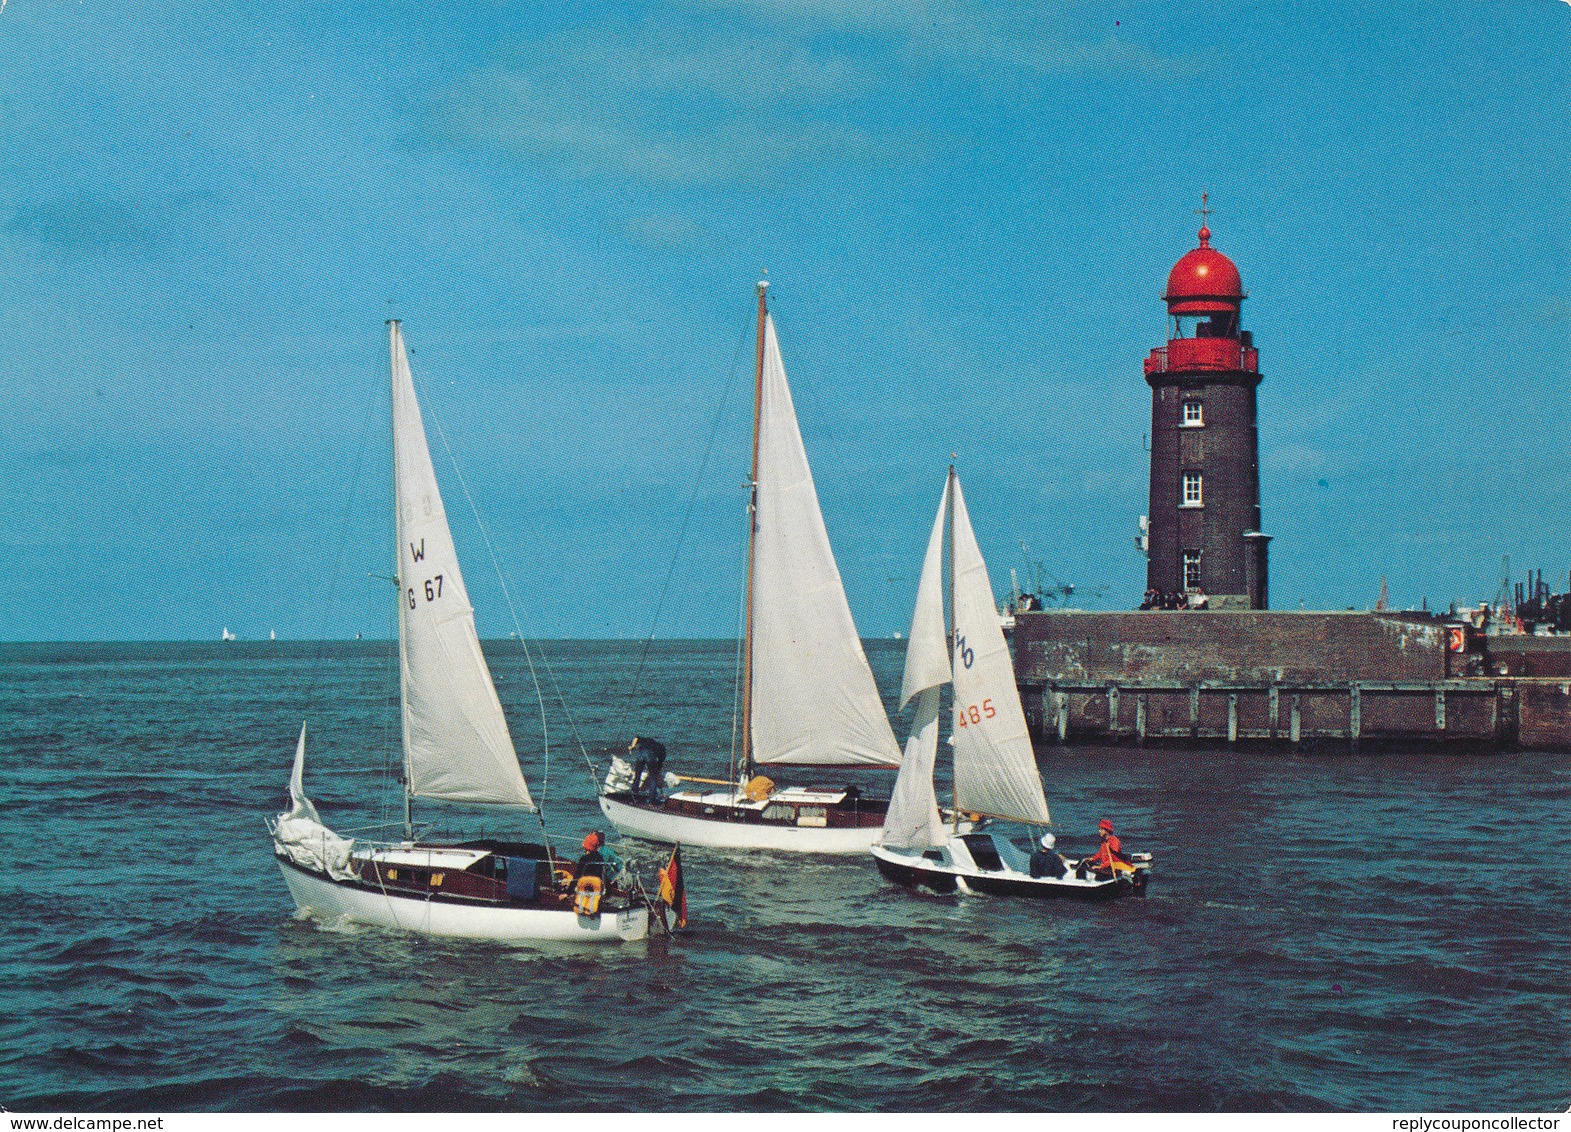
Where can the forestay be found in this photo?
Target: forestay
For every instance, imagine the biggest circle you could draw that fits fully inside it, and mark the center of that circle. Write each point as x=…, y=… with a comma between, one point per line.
x=995, y=767
x=456, y=743
x=913, y=821
x=814, y=699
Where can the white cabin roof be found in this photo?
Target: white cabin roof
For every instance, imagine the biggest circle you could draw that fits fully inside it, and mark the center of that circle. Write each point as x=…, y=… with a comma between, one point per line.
x=425, y=858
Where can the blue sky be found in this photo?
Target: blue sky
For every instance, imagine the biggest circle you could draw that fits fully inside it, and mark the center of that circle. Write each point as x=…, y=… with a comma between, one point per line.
x=967, y=211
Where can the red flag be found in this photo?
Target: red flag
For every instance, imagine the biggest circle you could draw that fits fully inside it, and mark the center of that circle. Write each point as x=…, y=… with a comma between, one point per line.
x=673, y=889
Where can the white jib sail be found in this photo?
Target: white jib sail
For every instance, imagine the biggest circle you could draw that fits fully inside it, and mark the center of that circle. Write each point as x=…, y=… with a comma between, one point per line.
x=456, y=744
x=814, y=699
x=913, y=821
x=995, y=767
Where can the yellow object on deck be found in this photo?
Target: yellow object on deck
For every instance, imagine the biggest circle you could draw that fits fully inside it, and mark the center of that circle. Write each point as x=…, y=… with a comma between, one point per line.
x=758, y=788
x=587, y=902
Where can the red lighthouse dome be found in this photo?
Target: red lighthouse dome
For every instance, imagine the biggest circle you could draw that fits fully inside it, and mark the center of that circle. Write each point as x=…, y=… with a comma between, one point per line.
x=1204, y=281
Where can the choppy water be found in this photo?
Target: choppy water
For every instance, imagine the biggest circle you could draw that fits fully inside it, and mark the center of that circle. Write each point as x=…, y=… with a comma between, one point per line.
x=1323, y=932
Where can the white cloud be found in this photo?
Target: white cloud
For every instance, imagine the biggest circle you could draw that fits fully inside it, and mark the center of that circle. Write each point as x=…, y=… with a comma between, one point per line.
x=667, y=105
x=714, y=93
x=1038, y=37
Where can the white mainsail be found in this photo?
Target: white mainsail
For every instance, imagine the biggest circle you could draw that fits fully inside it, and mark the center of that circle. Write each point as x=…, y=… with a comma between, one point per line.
x=456, y=743
x=913, y=821
x=814, y=701
x=995, y=766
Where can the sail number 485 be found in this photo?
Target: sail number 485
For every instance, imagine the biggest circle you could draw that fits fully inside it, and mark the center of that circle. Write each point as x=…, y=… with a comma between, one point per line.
x=975, y=713
x=433, y=590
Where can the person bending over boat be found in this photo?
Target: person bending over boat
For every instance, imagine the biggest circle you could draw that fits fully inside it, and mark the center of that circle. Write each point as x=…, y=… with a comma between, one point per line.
x=1110, y=854
x=648, y=765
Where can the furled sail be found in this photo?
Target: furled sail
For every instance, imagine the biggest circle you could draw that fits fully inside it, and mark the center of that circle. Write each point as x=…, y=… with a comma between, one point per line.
x=814, y=699
x=995, y=767
x=299, y=805
x=913, y=821
x=300, y=835
x=456, y=743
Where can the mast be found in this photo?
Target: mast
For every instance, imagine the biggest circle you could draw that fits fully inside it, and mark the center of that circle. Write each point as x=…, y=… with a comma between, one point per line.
x=949, y=494
x=398, y=541
x=752, y=540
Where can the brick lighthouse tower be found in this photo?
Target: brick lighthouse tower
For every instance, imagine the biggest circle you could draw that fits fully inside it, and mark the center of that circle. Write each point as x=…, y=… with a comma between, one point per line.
x=1204, y=535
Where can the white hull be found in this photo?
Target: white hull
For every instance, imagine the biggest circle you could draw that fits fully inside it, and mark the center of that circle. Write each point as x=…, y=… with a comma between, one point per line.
x=957, y=870
x=330, y=900
x=718, y=833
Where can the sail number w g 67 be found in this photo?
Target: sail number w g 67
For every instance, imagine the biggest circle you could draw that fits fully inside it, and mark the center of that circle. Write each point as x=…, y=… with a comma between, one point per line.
x=433, y=590
x=965, y=715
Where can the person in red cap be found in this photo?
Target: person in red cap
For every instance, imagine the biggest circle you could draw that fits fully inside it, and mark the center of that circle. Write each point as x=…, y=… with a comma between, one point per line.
x=597, y=859
x=1111, y=850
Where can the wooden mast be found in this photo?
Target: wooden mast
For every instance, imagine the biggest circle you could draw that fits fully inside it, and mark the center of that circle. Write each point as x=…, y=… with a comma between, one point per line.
x=752, y=540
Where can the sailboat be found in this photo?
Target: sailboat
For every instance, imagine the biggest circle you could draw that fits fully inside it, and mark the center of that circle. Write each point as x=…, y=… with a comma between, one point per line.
x=226, y=635
x=457, y=750
x=808, y=695
x=994, y=765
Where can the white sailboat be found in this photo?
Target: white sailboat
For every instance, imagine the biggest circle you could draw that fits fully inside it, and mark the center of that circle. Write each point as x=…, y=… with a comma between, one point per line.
x=994, y=764
x=808, y=695
x=226, y=635
x=457, y=749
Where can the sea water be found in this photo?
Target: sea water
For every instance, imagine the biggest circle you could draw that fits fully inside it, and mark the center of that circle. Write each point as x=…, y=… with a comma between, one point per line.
x=1322, y=931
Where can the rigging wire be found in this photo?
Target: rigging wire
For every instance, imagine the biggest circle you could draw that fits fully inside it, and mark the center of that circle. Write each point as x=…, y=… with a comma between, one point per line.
x=736, y=681
x=331, y=598
x=687, y=517
x=507, y=594
x=338, y=555
x=518, y=632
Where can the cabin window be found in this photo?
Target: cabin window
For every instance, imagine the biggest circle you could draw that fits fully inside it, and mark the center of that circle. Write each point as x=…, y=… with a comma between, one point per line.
x=1191, y=571
x=1194, y=413
x=1193, y=495
x=815, y=816
x=779, y=813
x=392, y=874
x=436, y=879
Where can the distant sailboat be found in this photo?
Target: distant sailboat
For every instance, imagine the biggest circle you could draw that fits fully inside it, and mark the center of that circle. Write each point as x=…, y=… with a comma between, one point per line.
x=808, y=696
x=456, y=749
x=995, y=770
x=226, y=635
x=272, y=636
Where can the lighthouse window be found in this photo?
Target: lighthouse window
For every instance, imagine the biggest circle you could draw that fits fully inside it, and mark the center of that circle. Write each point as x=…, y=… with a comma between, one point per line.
x=1191, y=571
x=1192, y=496
x=1194, y=413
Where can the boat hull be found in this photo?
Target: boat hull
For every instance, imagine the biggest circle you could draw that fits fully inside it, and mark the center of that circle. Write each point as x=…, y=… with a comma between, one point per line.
x=915, y=871
x=654, y=823
x=329, y=900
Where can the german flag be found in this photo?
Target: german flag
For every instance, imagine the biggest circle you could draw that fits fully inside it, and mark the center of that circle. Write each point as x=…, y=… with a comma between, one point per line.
x=673, y=890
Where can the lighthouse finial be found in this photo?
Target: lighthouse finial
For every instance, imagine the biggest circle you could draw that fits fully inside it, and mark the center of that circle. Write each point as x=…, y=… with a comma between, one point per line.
x=1203, y=211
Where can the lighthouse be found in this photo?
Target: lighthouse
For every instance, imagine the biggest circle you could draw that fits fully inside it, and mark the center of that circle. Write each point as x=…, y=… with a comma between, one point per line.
x=1203, y=541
